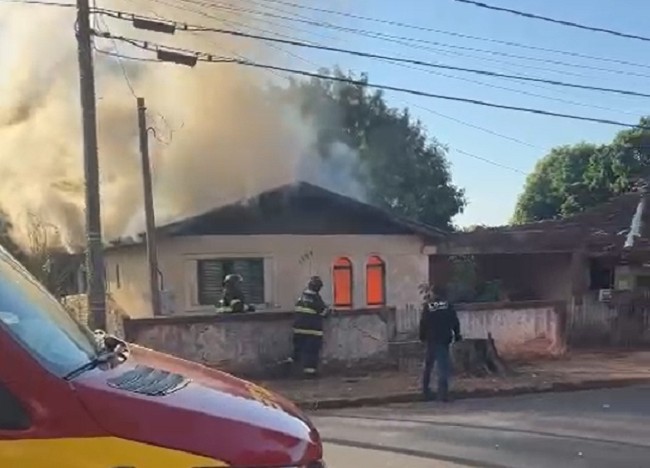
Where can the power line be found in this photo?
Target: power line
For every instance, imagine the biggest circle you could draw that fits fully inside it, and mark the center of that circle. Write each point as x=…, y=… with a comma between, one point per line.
x=518, y=91
x=129, y=84
x=439, y=114
x=476, y=127
x=471, y=155
x=409, y=40
x=230, y=32
x=556, y=21
x=418, y=46
x=401, y=40
x=121, y=56
x=221, y=20
x=457, y=34
x=489, y=161
x=41, y=3
x=190, y=57
x=333, y=39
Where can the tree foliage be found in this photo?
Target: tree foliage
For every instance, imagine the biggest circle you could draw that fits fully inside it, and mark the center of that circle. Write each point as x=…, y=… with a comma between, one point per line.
x=400, y=167
x=572, y=178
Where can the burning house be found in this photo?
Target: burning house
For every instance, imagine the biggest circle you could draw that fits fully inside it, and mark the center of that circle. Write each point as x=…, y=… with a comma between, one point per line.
x=276, y=240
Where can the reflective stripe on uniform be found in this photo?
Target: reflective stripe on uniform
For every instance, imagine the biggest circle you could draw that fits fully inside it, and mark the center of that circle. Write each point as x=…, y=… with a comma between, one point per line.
x=235, y=301
x=302, y=331
x=305, y=310
x=224, y=310
x=309, y=370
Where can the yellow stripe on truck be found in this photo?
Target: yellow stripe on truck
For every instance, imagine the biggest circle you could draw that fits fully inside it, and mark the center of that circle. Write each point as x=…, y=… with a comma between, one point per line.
x=96, y=452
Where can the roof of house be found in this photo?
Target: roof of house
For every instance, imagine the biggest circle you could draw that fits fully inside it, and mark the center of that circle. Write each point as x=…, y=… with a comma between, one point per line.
x=299, y=209
x=602, y=229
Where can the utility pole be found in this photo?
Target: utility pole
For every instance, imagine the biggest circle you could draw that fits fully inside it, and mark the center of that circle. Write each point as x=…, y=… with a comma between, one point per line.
x=152, y=252
x=94, y=247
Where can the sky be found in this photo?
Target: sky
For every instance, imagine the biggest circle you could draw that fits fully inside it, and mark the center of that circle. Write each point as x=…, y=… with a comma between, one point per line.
x=506, y=138
x=492, y=191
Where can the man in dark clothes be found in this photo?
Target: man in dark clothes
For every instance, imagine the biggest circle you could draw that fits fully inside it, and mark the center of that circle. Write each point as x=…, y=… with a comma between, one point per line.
x=438, y=326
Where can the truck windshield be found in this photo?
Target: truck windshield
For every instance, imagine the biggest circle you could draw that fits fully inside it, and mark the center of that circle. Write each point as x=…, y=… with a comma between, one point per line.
x=34, y=318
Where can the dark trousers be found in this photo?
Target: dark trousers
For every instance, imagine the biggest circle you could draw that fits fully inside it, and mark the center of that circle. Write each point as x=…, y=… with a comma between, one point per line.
x=306, y=352
x=437, y=354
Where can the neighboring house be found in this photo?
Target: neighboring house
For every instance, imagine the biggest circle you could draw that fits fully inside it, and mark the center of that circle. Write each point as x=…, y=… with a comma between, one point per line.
x=582, y=260
x=276, y=241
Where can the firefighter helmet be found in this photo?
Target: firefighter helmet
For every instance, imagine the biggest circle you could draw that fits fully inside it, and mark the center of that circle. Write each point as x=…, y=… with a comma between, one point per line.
x=315, y=283
x=232, y=280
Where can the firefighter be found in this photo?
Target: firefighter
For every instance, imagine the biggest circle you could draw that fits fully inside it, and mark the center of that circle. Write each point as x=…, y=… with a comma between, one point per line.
x=233, y=297
x=310, y=311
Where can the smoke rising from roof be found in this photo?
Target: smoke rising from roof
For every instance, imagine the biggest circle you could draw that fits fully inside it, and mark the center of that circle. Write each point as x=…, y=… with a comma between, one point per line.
x=223, y=135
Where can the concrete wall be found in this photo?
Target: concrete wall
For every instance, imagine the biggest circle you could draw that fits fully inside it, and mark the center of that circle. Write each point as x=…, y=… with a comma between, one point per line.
x=285, y=275
x=592, y=323
x=253, y=344
x=520, y=329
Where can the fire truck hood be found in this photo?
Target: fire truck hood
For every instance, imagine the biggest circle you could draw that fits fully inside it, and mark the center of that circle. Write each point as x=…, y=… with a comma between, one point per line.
x=168, y=402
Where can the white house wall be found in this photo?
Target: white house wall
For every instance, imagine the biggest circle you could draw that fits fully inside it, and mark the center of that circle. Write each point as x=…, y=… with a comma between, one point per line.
x=285, y=276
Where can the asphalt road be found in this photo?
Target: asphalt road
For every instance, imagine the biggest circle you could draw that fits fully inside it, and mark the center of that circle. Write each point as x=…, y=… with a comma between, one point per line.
x=592, y=429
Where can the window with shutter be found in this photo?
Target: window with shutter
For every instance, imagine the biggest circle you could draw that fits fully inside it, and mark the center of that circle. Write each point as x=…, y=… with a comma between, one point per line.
x=211, y=273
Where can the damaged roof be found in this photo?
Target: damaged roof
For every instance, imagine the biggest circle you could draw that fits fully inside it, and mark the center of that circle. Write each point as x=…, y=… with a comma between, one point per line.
x=601, y=229
x=298, y=209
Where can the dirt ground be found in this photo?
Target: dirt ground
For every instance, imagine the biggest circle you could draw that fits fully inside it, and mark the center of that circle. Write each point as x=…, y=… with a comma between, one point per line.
x=574, y=370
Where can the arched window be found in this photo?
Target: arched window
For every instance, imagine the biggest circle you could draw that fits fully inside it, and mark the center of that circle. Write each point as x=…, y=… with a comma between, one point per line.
x=375, y=282
x=342, y=281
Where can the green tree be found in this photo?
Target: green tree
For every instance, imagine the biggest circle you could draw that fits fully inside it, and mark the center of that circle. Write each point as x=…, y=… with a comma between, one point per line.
x=572, y=178
x=400, y=167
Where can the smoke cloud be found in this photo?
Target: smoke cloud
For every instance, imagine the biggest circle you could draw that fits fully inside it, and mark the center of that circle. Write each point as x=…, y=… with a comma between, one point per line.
x=220, y=135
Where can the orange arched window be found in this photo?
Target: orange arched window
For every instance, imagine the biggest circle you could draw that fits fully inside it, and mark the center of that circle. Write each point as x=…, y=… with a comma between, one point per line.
x=342, y=281
x=375, y=282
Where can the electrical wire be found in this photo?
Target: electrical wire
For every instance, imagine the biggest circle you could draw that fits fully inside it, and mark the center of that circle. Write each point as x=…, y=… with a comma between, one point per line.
x=41, y=3
x=439, y=114
x=488, y=161
x=453, y=55
x=410, y=42
x=125, y=74
x=556, y=21
x=455, y=46
x=481, y=83
x=369, y=34
x=221, y=20
x=230, y=32
x=121, y=56
x=457, y=34
x=465, y=153
x=212, y=58
x=476, y=127
x=518, y=91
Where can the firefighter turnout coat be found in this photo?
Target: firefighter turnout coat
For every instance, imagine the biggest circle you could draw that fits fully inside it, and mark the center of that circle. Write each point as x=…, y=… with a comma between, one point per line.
x=309, y=314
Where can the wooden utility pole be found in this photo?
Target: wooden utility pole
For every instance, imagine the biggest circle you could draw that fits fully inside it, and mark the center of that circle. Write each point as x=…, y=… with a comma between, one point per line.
x=152, y=253
x=94, y=248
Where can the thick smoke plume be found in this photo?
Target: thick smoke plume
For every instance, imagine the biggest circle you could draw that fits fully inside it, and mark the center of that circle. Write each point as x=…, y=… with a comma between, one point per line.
x=220, y=135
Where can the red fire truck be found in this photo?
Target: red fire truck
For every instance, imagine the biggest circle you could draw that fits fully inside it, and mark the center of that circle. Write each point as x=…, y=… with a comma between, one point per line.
x=71, y=398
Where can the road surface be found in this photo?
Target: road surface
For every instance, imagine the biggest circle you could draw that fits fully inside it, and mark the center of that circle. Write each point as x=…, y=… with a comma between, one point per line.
x=592, y=429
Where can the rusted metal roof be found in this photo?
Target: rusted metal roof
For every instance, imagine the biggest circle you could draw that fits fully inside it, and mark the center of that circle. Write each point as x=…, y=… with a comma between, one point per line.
x=602, y=229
